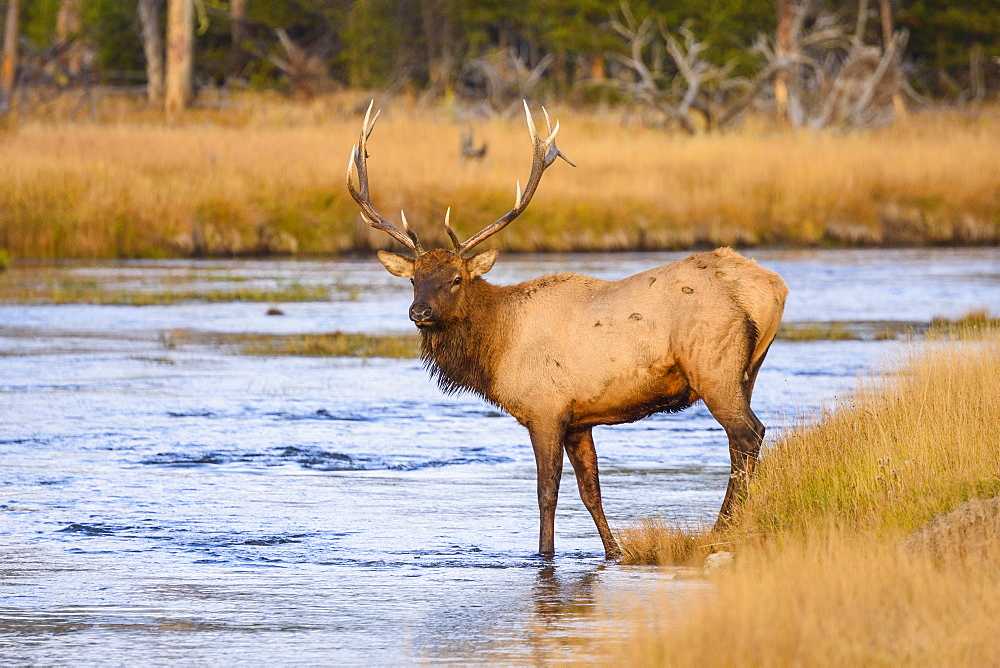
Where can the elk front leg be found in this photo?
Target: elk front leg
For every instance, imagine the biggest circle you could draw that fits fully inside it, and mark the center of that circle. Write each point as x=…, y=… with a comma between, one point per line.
x=583, y=456
x=547, y=444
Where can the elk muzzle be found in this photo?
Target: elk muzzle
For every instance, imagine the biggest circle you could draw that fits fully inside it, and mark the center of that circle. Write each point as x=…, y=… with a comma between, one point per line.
x=422, y=314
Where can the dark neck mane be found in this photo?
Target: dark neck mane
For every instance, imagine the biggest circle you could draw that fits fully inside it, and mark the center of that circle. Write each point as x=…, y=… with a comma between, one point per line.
x=463, y=355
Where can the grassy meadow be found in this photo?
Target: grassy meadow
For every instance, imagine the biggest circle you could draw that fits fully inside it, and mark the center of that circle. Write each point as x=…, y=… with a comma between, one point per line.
x=822, y=575
x=266, y=176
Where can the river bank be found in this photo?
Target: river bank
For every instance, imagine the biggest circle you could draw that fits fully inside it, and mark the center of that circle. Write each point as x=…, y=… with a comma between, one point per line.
x=824, y=573
x=266, y=176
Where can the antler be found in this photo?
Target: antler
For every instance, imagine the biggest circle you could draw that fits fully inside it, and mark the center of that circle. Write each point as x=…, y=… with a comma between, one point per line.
x=544, y=153
x=359, y=159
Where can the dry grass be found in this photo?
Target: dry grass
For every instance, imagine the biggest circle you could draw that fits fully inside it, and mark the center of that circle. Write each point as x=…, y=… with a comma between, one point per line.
x=831, y=600
x=833, y=331
x=974, y=323
x=656, y=541
x=901, y=450
x=267, y=176
x=822, y=576
x=90, y=292
x=335, y=344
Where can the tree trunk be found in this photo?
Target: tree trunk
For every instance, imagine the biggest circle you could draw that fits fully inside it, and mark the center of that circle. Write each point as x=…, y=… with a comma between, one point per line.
x=597, y=64
x=150, y=12
x=885, y=11
x=8, y=68
x=430, y=31
x=238, y=35
x=180, y=56
x=69, y=22
x=786, y=15
x=859, y=28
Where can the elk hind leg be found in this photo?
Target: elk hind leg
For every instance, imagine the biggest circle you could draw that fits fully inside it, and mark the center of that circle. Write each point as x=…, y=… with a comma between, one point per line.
x=583, y=456
x=746, y=434
x=730, y=406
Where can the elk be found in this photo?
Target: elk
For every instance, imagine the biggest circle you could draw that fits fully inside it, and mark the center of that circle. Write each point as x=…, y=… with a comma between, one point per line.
x=564, y=353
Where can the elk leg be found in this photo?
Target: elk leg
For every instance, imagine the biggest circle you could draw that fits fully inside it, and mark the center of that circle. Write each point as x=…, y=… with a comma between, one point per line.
x=583, y=456
x=547, y=444
x=746, y=433
x=731, y=408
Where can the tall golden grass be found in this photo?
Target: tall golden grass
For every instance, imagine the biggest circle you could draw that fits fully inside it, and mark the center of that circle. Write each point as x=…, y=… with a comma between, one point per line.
x=267, y=176
x=822, y=575
x=898, y=452
x=834, y=600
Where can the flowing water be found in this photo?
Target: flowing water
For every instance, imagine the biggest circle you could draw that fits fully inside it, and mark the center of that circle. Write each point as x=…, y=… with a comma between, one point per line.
x=163, y=502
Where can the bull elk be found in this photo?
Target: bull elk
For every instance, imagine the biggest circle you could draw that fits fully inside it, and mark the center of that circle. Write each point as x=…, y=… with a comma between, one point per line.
x=564, y=353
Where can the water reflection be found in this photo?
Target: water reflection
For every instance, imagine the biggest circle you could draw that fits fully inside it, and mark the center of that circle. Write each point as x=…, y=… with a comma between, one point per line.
x=556, y=596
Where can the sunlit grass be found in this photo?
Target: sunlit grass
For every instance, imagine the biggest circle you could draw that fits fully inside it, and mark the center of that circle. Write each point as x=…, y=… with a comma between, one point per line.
x=816, y=332
x=269, y=178
x=822, y=576
x=968, y=326
x=656, y=541
x=331, y=344
x=336, y=344
x=893, y=455
x=68, y=291
x=830, y=600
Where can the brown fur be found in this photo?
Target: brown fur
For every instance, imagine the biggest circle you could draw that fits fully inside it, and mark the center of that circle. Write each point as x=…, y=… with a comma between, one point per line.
x=566, y=352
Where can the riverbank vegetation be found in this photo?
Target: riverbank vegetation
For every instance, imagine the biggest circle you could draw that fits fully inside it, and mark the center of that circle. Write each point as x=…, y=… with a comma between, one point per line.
x=823, y=575
x=268, y=178
x=336, y=344
x=647, y=539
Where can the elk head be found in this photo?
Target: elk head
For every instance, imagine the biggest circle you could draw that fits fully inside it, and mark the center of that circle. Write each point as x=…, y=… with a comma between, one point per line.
x=441, y=277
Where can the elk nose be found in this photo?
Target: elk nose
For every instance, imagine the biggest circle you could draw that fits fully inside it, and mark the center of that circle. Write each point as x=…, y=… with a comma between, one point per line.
x=421, y=313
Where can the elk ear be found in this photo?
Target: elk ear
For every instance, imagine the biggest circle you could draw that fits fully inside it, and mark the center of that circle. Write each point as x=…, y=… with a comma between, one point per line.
x=396, y=264
x=480, y=263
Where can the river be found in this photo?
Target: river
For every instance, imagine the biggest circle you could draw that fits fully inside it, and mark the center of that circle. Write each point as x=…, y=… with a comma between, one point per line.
x=164, y=502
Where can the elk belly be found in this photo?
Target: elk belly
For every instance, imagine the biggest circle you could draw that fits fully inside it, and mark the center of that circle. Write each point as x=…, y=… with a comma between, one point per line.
x=633, y=396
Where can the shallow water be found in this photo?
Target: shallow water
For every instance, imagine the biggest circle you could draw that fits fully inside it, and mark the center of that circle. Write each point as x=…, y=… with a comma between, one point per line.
x=162, y=503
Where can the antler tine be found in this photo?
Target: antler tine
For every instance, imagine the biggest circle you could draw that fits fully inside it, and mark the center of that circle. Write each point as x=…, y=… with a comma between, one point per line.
x=548, y=124
x=411, y=233
x=544, y=153
x=361, y=195
x=451, y=233
x=531, y=123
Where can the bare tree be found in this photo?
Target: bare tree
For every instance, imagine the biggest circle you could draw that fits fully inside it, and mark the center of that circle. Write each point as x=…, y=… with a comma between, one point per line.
x=814, y=75
x=180, y=56
x=238, y=35
x=69, y=22
x=150, y=12
x=307, y=73
x=783, y=47
x=688, y=83
x=830, y=78
x=885, y=12
x=496, y=83
x=436, y=44
x=8, y=68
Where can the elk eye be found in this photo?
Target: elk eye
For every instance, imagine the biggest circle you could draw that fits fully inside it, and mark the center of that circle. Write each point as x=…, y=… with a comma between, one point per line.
x=457, y=280
x=411, y=282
